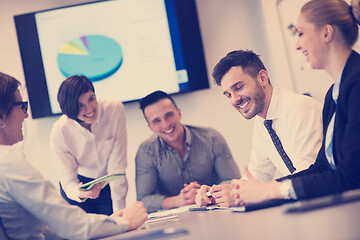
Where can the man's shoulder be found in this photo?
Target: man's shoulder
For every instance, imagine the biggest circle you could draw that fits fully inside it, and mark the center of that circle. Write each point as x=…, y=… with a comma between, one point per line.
x=295, y=100
x=150, y=142
x=204, y=135
x=149, y=149
x=206, y=132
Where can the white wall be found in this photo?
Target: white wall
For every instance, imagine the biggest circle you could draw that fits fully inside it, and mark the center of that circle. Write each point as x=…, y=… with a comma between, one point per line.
x=295, y=67
x=295, y=71
x=225, y=25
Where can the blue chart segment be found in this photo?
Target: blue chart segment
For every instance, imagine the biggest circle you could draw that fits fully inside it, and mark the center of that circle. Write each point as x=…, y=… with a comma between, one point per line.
x=95, y=56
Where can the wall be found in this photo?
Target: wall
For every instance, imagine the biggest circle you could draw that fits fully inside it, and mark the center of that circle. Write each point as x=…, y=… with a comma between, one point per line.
x=303, y=78
x=289, y=64
x=225, y=25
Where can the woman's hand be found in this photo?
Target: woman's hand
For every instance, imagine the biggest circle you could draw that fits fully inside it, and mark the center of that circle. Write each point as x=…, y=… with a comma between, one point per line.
x=93, y=193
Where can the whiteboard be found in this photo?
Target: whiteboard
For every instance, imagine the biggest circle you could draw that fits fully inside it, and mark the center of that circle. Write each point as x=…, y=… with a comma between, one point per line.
x=306, y=80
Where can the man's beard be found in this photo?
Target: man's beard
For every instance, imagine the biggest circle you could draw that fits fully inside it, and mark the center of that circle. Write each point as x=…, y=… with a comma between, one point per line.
x=259, y=101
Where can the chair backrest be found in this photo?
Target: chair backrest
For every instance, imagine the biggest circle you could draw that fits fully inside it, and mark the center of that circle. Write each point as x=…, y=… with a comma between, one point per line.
x=3, y=235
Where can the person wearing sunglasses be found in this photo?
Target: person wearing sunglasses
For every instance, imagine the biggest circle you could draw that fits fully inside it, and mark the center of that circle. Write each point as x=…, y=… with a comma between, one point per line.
x=24, y=105
x=27, y=201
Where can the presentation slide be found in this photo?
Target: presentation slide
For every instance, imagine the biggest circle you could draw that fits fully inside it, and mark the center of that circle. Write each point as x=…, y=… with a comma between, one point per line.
x=121, y=46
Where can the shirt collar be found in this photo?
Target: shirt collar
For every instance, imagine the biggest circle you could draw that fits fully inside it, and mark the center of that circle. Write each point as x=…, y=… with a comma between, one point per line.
x=188, y=138
x=272, y=110
x=100, y=112
x=336, y=88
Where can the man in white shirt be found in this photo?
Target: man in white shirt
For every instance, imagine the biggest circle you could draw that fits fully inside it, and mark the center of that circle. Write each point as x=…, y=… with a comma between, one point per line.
x=295, y=120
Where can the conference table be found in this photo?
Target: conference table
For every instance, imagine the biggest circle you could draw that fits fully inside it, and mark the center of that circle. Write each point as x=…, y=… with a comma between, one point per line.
x=339, y=222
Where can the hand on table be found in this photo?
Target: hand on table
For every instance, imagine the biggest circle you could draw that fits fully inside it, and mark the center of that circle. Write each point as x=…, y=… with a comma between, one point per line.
x=201, y=198
x=187, y=194
x=253, y=190
x=222, y=195
x=135, y=214
x=185, y=197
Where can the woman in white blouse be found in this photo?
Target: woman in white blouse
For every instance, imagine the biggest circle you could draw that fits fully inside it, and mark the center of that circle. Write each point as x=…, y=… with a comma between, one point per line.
x=27, y=201
x=89, y=141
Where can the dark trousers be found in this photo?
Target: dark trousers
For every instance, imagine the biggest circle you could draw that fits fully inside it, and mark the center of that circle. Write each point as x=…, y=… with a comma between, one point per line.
x=100, y=205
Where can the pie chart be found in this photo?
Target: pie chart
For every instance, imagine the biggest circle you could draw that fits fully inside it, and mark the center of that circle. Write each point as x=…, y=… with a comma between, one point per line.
x=94, y=56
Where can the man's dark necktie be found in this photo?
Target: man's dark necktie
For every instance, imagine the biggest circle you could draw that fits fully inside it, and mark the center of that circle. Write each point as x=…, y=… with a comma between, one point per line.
x=278, y=146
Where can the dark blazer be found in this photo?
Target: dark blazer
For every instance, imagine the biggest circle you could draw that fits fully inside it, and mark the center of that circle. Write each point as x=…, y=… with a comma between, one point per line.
x=320, y=179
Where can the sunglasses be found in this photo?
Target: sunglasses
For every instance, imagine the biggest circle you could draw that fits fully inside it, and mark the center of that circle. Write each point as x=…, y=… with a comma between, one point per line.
x=24, y=105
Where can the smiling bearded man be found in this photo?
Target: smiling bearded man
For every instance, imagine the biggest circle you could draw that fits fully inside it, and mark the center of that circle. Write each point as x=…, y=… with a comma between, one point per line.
x=287, y=126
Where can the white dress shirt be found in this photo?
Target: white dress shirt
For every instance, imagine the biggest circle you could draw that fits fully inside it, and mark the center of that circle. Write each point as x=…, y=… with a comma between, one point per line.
x=92, y=154
x=297, y=121
x=27, y=201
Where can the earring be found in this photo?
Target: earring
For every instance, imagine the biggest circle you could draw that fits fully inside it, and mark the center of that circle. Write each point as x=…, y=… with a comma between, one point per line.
x=3, y=125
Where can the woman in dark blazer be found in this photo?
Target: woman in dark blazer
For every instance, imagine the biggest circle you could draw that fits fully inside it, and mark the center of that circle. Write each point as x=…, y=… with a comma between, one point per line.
x=327, y=30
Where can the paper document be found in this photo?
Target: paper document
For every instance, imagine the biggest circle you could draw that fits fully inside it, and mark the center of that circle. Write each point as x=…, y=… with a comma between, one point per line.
x=245, y=208
x=163, y=213
x=208, y=208
x=107, y=178
x=161, y=220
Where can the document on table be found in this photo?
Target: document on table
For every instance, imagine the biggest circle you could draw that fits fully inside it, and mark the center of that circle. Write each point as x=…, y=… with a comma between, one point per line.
x=208, y=208
x=160, y=220
x=245, y=208
x=163, y=213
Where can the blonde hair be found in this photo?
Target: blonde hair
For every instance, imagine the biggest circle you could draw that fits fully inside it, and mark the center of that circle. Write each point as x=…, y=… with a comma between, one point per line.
x=337, y=13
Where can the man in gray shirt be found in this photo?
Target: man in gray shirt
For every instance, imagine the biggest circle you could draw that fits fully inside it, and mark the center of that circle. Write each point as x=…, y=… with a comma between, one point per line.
x=173, y=163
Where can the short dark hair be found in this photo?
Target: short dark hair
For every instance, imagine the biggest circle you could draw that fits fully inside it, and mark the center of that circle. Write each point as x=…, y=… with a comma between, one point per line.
x=8, y=87
x=249, y=61
x=152, y=98
x=69, y=92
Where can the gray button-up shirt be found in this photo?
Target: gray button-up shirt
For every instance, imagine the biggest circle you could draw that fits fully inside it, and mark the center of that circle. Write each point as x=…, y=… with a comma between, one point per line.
x=160, y=172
